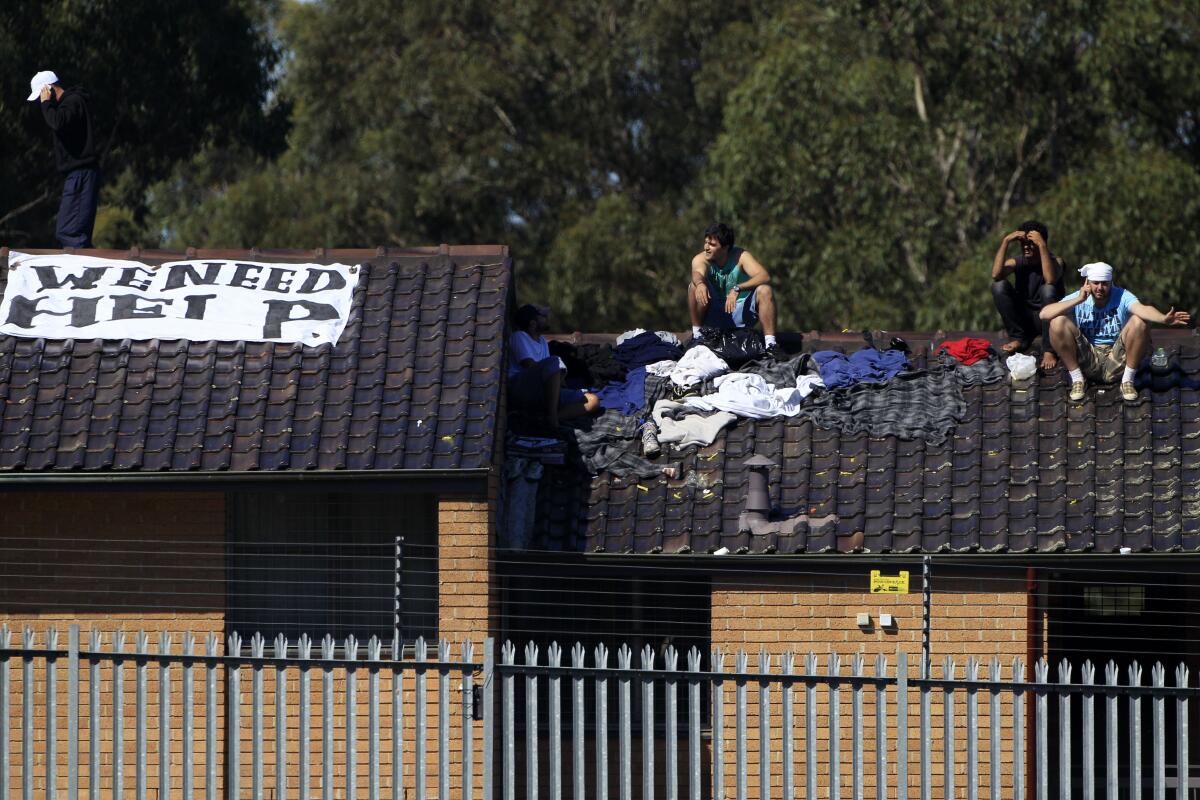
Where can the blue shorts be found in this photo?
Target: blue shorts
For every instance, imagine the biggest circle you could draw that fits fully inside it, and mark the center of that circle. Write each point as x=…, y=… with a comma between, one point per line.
x=527, y=389
x=745, y=315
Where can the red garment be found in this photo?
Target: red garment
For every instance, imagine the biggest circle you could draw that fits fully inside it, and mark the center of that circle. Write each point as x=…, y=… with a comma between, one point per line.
x=967, y=351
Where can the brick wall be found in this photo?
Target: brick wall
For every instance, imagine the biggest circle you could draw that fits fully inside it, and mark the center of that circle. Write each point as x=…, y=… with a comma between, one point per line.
x=982, y=615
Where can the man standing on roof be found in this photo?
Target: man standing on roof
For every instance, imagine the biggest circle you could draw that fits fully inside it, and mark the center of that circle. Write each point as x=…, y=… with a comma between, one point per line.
x=729, y=288
x=1039, y=282
x=75, y=154
x=1102, y=331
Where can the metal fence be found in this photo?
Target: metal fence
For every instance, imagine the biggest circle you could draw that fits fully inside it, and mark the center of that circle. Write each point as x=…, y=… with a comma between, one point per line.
x=782, y=726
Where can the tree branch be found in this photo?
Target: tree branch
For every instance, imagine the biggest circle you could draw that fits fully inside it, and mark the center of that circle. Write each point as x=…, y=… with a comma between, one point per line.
x=43, y=197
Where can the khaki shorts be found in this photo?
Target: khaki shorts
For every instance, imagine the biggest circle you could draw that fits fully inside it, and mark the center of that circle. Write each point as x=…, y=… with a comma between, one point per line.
x=1103, y=363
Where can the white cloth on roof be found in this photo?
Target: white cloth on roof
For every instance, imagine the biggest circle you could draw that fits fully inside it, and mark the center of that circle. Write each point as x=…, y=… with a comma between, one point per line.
x=1098, y=271
x=661, y=368
x=696, y=365
x=748, y=395
x=666, y=336
x=690, y=428
x=807, y=383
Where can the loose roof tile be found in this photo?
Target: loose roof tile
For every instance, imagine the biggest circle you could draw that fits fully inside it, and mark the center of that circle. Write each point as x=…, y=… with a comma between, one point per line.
x=413, y=383
x=1025, y=471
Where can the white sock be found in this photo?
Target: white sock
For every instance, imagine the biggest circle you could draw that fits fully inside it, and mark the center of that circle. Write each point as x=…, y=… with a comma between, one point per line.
x=695, y=331
x=1130, y=372
x=769, y=339
x=1076, y=375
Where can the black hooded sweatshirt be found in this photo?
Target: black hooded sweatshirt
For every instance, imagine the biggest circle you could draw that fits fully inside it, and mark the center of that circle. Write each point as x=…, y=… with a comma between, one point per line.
x=69, y=119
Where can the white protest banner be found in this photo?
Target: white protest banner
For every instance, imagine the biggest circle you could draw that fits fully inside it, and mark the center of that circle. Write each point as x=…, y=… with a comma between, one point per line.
x=84, y=297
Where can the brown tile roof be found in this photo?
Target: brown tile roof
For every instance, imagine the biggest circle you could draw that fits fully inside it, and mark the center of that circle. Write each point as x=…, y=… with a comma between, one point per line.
x=1025, y=471
x=413, y=384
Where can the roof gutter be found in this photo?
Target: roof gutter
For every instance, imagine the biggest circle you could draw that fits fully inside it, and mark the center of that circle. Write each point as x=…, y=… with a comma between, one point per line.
x=447, y=481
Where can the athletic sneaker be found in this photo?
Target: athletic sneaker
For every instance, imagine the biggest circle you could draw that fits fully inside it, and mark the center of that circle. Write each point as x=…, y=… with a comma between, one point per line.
x=1128, y=391
x=1077, y=390
x=650, y=446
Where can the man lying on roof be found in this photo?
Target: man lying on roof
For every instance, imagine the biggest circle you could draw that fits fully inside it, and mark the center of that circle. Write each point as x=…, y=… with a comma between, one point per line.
x=535, y=376
x=1102, y=331
x=729, y=288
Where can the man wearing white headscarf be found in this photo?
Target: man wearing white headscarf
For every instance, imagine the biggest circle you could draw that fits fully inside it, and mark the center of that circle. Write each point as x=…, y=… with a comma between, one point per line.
x=1102, y=332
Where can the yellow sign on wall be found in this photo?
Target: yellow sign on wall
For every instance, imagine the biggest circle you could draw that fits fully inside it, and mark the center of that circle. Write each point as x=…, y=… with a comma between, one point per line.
x=889, y=584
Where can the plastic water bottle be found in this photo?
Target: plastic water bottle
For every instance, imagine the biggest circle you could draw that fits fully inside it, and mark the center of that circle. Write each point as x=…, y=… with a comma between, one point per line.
x=1158, y=361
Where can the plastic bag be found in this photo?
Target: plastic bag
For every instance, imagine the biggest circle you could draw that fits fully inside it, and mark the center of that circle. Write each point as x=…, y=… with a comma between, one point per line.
x=1021, y=366
x=736, y=346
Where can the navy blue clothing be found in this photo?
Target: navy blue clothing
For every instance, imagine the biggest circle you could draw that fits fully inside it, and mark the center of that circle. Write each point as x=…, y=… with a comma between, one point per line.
x=645, y=348
x=77, y=210
x=627, y=396
x=866, y=366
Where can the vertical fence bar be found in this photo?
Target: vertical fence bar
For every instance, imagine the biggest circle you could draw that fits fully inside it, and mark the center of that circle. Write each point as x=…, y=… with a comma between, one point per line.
x=718, y=726
x=281, y=703
x=554, y=698
x=901, y=727
x=421, y=718
x=397, y=596
x=1018, y=674
x=601, y=724
x=304, y=717
x=856, y=729
x=671, y=664
x=972, y=731
x=1088, y=734
x=489, y=722
x=374, y=648
x=624, y=724
x=164, y=715
x=531, y=724
x=994, y=723
x=835, y=728
x=577, y=735
x=764, y=726
x=810, y=726
x=350, y=651
x=1041, y=671
x=1135, y=733
x=788, y=743
x=327, y=654
x=1064, y=729
x=647, y=725
x=233, y=716
x=398, y=718
x=739, y=724
x=468, y=724
x=189, y=712
x=1182, y=758
x=141, y=668
x=210, y=720
x=5, y=733
x=1111, y=744
x=1158, y=735
x=443, y=720
x=94, y=644
x=948, y=672
x=257, y=648
x=508, y=735
x=72, y=712
x=52, y=716
x=925, y=736
x=27, y=686
x=695, y=776
x=880, y=727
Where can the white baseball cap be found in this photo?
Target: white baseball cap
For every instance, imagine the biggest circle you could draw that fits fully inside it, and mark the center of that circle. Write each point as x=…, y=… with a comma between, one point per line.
x=37, y=82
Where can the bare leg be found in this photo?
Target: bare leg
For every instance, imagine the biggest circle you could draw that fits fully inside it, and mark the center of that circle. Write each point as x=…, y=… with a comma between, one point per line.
x=695, y=308
x=1049, y=360
x=1136, y=336
x=765, y=300
x=590, y=404
x=1062, y=336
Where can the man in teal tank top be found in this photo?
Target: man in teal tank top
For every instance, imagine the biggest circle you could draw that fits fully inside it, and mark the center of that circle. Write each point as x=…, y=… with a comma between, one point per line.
x=729, y=288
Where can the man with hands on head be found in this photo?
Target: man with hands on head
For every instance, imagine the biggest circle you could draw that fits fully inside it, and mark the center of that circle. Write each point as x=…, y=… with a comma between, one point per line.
x=1038, y=276
x=1102, y=331
x=729, y=288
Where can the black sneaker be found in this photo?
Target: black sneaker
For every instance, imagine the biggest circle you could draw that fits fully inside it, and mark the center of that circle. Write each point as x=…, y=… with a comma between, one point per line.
x=776, y=352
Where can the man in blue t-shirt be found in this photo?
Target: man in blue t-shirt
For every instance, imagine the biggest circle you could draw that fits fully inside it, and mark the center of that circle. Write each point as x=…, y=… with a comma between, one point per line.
x=729, y=288
x=1102, y=331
